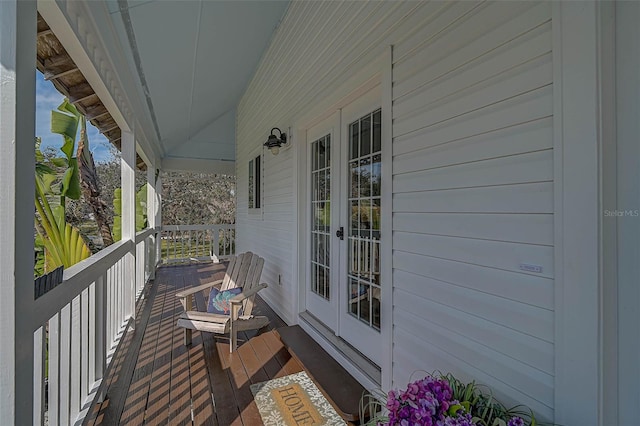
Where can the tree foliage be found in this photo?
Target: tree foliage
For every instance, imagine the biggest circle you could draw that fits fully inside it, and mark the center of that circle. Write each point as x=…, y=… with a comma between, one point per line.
x=198, y=198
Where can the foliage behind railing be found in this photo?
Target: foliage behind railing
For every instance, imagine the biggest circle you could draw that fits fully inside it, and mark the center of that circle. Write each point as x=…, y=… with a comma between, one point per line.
x=187, y=243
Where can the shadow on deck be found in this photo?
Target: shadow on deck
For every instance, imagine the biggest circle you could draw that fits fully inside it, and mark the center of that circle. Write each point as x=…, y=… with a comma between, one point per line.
x=155, y=379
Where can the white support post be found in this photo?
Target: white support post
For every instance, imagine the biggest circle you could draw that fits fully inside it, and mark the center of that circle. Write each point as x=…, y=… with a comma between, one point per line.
x=17, y=133
x=158, y=219
x=152, y=206
x=628, y=199
x=128, y=178
x=582, y=152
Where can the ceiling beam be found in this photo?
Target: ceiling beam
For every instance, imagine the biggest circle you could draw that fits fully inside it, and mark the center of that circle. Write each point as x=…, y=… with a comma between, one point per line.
x=52, y=76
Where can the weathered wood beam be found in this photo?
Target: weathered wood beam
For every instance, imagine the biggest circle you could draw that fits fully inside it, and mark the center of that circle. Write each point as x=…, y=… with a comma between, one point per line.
x=97, y=115
x=96, y=111
x=80, y=92
x=53, y=75
x=56, y=61
x=109, y=129
x=45, y=32
x=81, y=99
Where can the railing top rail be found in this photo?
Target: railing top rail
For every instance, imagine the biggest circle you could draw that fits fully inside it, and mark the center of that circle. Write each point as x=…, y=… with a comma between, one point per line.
x=198, y=227
x=75, y=280
x=142, y=235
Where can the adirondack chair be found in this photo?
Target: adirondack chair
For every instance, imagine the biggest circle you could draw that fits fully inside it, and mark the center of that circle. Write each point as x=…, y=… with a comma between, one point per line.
x=244, y=271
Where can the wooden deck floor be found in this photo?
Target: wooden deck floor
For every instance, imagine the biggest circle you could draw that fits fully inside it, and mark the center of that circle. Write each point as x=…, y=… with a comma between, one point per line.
x=155, y=379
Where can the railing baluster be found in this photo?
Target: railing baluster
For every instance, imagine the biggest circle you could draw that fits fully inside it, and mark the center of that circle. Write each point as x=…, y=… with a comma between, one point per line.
x=39, y=357
x=54, y=370
x=182, y=244
x=121, y=300
x=91, y=338
x=75, y=348
x=216, y=243
x=65, y=366
x=209, y=244
x=100, y=342
x=111, y=305
x=174, y=241
x=85, y=385
x=114, y=304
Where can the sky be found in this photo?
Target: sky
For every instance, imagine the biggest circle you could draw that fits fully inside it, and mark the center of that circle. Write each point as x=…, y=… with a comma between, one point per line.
x=47, y=99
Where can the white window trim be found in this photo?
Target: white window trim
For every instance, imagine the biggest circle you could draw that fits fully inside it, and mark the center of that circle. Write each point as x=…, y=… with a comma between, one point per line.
x=251, y=161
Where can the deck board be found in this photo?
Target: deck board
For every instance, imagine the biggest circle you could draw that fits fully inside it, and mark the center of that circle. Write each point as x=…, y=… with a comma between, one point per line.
x=155, y=379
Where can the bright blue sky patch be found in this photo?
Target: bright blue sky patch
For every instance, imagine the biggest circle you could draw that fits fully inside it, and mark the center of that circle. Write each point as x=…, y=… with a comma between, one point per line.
x=47, y=99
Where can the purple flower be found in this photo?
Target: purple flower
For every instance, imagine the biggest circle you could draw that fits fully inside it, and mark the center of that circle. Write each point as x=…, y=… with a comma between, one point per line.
x=459, y=420
x=516, y=421
x=423, y=403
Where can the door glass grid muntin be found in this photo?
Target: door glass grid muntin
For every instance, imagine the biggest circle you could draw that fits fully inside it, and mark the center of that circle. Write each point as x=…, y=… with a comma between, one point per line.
x=364, y=202
x=321, y=216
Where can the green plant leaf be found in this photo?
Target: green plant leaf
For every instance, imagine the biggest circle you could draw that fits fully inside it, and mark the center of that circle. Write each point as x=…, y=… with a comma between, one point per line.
x=117, y=228
x=43, y=169
x=39, y=154
x=71, y=181
x=68, y=107
x=60, y=162
x=47, y=180
x=67, y=126
x=453, y=409
x=59, y=216
x=140, y=213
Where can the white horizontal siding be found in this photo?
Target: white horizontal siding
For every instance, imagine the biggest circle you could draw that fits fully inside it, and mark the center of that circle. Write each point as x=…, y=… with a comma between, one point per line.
x=318, y=46
x=473, y=199
x=472, y=175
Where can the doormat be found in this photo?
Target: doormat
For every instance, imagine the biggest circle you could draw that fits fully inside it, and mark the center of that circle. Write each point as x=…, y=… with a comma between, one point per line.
x=294, y=400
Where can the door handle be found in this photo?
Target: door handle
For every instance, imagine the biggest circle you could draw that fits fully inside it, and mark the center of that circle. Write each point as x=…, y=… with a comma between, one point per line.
x=340, y=233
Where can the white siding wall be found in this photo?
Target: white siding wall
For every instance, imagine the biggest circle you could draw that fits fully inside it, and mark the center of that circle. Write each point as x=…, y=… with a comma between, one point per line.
x=473, y=199
x=472, y=176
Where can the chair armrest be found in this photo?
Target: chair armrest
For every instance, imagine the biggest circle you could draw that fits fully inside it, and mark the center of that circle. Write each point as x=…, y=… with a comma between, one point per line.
x=196, y=289
x=239, y=298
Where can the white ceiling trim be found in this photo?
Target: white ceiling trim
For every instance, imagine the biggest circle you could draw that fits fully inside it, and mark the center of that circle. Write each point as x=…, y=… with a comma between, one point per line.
x=177, y=164
x=193, y=69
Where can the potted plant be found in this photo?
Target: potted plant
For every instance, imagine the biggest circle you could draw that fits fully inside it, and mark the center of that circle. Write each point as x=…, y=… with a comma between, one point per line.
x=442, y=400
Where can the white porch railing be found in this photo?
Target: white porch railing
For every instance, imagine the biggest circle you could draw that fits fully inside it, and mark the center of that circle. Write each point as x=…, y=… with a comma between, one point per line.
x=78, y=324
x=184, y=243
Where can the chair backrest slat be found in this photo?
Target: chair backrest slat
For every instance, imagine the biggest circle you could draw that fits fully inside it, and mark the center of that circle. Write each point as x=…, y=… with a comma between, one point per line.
x=227, y=274
x=233, y=273
x=253, y=279
x=244, y=271
x=241, y=278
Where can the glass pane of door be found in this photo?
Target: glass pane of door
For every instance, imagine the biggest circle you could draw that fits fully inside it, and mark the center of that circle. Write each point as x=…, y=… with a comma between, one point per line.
x=363, y=236
x=321, y=217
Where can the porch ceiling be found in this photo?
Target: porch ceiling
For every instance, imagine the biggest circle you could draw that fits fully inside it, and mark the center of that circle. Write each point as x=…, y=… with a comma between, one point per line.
x=194, y=59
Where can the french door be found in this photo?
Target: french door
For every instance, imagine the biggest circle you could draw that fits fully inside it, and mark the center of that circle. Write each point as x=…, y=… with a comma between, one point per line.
x=344, y=164
x=323, y=256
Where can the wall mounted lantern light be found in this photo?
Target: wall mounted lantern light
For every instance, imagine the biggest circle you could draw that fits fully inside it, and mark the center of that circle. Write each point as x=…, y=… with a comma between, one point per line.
x=274, y=142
